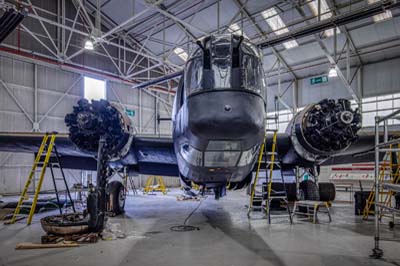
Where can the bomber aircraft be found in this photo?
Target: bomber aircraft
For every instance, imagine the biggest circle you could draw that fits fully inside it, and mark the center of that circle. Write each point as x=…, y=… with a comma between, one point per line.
x=218, y=118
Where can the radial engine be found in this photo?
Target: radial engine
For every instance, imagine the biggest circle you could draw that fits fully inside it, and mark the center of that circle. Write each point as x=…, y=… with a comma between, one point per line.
x=90, y=121
x=323, y=129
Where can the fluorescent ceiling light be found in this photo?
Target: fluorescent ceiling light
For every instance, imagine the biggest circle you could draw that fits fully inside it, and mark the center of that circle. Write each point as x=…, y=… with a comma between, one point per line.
x=181, y=53
x=332, y=72
x=325, y=14
x=235, y=28
x=382, y=16
x=277, y=25
x=89, y=45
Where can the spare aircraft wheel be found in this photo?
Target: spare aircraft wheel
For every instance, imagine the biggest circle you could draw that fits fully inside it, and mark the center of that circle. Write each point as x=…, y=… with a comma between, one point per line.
x=327, y=191
x=309, y=190
x=117, y=197
x=291, y=191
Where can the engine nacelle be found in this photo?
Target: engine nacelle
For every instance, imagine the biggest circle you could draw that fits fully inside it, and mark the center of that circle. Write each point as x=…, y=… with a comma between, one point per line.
x=323, y=129
x=91, y=121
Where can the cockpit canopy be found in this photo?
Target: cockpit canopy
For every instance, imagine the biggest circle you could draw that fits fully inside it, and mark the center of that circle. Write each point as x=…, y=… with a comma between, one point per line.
x=225, y=62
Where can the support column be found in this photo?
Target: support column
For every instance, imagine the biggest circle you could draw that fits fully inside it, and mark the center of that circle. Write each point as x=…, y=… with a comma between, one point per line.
x=35, y=125
x=63, y=35
x=295, y=96
x=360, y=83
x=140, y=111
x=156, y=113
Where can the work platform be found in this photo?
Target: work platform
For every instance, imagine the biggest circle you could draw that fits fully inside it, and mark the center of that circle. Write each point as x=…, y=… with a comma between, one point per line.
x=313, y=207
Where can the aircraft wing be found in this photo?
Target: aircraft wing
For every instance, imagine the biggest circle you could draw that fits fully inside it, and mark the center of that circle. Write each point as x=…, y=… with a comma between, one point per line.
x=155, y=156
x=362, y=150
x=29, y=142
x=148, y=155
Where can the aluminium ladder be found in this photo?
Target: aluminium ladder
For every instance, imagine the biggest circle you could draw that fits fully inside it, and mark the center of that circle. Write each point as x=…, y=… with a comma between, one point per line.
x=384, y=146
x=389, y=167
x=43, y=159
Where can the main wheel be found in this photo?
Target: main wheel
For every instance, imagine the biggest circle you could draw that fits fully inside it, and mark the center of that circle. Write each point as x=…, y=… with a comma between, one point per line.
x=309, y=190
x=291, y=191
x=327, y=191
x=117, y=197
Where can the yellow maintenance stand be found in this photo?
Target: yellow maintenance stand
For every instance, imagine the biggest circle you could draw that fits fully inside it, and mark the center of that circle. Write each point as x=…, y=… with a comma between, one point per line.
x=155, y=184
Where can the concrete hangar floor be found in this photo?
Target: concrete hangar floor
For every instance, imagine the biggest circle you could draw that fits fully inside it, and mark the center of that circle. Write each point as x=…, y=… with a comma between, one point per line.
x=226, y=238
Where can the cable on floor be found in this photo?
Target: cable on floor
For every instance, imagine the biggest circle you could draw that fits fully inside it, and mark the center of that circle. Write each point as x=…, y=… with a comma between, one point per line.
x=185, y=227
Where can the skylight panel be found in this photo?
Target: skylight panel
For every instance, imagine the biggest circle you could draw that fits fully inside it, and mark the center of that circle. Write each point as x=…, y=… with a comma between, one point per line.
x=382, y=16
x=275, y=21
x=235, y=28
x=277, y=25
x=325, y=10
x=181, y=53
x=325, y=14
x=330, y=32
x=290, y=44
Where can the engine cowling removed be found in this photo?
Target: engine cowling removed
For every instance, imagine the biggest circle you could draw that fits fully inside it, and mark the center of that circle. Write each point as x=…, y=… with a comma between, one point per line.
x=324, y=129
x=90, y=121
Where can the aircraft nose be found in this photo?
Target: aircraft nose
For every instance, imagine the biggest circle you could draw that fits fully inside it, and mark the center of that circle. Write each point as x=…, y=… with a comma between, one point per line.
x=226, y=114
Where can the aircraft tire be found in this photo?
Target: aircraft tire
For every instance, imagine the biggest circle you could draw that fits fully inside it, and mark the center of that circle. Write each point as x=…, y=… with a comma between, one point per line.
x=327, y=191
x=289, y=187
x=291, y=191
x=309, y=190
x=117, y=197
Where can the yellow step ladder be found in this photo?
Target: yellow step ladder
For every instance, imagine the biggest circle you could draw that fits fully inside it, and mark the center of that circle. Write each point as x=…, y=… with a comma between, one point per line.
x=388, y=168
x=257, y=198
x=155, y=184
x=46, y=148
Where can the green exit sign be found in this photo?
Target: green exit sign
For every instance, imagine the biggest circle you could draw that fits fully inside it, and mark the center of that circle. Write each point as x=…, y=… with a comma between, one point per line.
x=130, y=112
x=319, y=80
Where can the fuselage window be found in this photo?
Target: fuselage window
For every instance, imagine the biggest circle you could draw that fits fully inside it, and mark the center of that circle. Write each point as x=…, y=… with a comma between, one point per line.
x=227, y=68
x=252, y=74
x=221, y=158
x=194, y=74
x=221, y=54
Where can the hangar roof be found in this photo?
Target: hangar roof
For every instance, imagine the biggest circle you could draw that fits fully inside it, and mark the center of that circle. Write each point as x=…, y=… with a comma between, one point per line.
x=142, y=39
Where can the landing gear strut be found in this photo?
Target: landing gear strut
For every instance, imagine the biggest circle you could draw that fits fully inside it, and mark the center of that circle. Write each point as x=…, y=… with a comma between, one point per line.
x=97, y=198
x=219, y=192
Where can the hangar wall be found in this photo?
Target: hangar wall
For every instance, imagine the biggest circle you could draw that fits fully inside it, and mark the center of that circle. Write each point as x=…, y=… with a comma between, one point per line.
x=57, y=91
x=378, y=78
